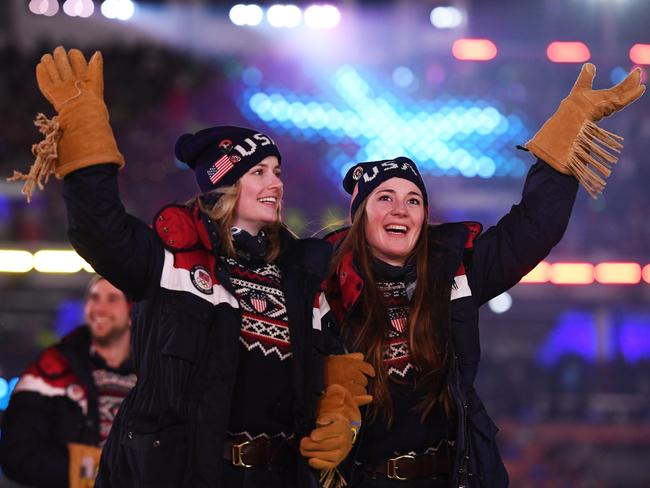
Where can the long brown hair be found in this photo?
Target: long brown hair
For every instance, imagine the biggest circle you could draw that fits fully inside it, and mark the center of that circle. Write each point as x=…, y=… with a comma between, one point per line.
x=428, y=322
x=222, y=212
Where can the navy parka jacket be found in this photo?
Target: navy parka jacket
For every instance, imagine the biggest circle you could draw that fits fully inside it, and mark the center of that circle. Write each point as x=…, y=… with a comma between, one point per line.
x=476, y=267
x=171, y=428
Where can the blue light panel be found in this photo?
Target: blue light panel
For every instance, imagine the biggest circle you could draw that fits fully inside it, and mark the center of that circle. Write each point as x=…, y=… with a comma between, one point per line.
x=446, y=136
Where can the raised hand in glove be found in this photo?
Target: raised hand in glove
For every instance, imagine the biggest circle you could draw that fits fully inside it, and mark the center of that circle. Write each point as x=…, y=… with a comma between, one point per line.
x=572, y=143
x=81, y=134
x=337, y=419
x=351, y=372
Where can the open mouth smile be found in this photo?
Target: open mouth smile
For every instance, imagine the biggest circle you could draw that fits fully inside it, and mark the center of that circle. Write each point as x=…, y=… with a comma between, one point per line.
x=396, y=229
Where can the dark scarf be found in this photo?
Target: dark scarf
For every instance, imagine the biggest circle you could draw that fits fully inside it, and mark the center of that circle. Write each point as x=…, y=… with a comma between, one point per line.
x=406, y=273
x=250, y=249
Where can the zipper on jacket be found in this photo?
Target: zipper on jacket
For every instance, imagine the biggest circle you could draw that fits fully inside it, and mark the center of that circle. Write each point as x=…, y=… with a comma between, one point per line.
x=461, y=472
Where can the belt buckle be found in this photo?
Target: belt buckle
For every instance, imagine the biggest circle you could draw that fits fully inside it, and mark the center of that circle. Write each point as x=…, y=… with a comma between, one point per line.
x=391, y=467
x=237, y=455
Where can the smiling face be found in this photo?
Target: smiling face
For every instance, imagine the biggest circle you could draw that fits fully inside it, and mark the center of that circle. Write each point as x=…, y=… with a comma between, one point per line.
x=259, y=197
x=394, y=218
x=106, y=312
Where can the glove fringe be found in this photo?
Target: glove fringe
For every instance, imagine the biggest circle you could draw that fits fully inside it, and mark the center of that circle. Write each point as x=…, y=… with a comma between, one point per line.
x=591, y=157
x=46, y=154
x=332, y=478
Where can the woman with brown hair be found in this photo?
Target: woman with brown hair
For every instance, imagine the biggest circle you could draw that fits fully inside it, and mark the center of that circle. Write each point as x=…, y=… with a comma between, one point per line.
x=407, y=295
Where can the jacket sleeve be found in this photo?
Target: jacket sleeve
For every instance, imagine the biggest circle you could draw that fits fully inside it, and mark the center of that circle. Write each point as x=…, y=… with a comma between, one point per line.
x=29, y=453
x=118, y=246
x=506, y=252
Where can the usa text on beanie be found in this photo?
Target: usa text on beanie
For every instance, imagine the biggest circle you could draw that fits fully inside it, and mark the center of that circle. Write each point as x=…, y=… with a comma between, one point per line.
x=221, y=155
x=365, y=177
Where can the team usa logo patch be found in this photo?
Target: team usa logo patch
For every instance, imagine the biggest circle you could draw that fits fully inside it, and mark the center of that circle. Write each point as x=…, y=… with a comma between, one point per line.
x=356, y=174
x=201, y=279
x=75, y=392
x=399, y=323
x=258, y=301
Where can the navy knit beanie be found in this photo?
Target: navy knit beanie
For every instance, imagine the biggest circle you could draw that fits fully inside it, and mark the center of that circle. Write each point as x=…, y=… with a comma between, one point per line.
x=368, y=176
x=221, y=155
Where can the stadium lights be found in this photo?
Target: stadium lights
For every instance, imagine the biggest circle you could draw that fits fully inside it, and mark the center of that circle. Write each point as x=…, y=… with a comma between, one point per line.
x=50, y=261
x=501, y=303
x=79, y=8
x=640, y=54
x=568, y=52
x=242, y=14
x=44, y=261
x=44, y=7
x=568, y=273
x=322, y=16
x=403, y=76
x=645, y=273
x=572, y=274
x=618, y=273
x=446, y=17
x=607, y=273
x=284, y=15
x=474, y=49
x=540, y=274
x=118, y=9
x=15, y=261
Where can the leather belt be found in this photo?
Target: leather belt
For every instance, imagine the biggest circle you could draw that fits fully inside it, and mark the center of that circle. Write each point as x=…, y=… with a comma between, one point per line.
x=404, y=467
x=242, y=452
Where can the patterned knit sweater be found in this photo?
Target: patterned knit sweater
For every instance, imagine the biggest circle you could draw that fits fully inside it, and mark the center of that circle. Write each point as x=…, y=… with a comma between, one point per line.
x=262, y=395
x=408, y=434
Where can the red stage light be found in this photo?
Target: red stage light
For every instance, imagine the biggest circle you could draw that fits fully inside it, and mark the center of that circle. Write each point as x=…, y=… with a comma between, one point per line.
x=474, y=49
x=640, y=54
x=568, y=52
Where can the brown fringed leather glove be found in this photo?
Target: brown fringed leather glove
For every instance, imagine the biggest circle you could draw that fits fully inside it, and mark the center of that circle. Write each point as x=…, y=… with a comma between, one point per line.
x=351, y=372
x=81, y=134
x=338, y=419
x=572, y=143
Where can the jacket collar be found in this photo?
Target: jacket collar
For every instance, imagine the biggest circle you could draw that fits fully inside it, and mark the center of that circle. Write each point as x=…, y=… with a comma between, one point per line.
x=447, y=244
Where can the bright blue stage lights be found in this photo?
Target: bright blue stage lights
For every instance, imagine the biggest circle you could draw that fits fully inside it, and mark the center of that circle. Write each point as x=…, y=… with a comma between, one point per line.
x=446, y=136
x=6, y=387
x=618, y=74
x=403, y=77
x=252, y=76
x=634, y=338
x=576, y=334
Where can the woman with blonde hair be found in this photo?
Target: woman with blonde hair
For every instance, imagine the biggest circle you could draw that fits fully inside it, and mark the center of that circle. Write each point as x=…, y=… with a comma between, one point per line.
x=228, y=379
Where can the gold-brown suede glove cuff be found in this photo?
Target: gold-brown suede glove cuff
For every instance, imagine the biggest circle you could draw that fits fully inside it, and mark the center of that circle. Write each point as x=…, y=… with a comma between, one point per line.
x=572, y=143
x=80, y=135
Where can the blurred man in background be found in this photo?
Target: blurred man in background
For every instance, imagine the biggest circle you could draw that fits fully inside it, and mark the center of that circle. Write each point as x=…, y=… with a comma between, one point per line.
x=63, y=406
